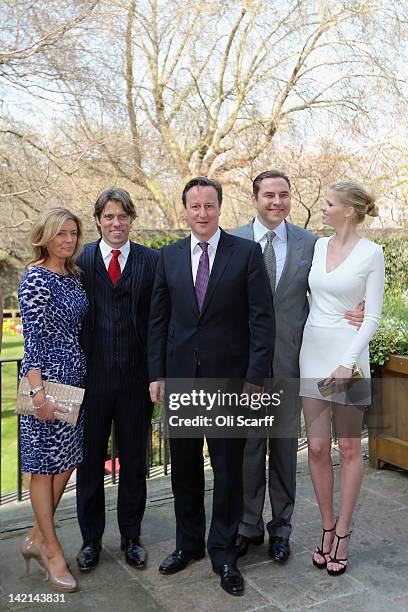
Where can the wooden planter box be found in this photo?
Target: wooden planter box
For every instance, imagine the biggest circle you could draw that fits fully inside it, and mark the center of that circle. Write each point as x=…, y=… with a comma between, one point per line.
x=388, y=421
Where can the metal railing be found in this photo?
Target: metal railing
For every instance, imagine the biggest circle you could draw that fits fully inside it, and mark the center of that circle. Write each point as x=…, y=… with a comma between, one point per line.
x=157, y=449
x=158, y=453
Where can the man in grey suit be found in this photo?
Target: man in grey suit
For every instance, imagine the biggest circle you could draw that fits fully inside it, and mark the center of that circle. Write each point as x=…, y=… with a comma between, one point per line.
x=288, y=252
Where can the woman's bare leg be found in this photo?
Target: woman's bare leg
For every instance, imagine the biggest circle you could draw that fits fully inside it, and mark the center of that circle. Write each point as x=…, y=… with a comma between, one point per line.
x=59, y=484
x=42, y=500
x=348, y=426
x=317, y=415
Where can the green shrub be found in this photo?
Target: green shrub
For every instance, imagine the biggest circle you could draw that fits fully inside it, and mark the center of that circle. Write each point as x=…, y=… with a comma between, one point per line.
x=159, y=240
x=396, y=260
x=395, y=306
x=391, y=337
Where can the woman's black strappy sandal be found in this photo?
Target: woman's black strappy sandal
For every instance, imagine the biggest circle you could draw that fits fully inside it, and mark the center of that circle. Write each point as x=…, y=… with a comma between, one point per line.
x=320, y=551
x=342, y=562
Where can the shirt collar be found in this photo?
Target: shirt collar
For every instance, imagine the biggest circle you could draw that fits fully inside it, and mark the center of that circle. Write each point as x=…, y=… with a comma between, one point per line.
x=106, y=249
x=260, y=230
x=213, y=241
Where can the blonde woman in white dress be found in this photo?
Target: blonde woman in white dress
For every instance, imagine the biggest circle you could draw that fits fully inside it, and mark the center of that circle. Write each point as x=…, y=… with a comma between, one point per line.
x=346, y=270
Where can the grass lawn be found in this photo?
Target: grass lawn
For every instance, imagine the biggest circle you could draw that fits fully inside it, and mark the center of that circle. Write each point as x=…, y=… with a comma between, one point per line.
x=12, y=349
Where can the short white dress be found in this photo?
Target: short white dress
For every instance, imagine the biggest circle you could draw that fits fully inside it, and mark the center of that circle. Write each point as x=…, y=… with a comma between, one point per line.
x=328, y=339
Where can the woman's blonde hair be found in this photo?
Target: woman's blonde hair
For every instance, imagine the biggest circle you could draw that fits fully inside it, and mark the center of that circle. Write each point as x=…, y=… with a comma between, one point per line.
x=46, y=228
x=355, y=195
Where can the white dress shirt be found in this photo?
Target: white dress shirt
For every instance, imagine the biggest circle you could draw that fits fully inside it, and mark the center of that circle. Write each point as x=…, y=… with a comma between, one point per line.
x=196, y=251
x=279, y=243
x=106, y=251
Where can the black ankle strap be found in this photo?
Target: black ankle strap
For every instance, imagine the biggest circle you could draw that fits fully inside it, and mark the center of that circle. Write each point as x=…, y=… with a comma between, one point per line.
x=345, y=536
x=334, y=559
x=321, y=549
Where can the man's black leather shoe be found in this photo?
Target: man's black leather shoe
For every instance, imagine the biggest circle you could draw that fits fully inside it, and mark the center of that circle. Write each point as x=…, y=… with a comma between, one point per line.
x=231, y=579
x=88, y=556
x=178, y=560
x=135, y=554
x=279, y=549
x=243, y=543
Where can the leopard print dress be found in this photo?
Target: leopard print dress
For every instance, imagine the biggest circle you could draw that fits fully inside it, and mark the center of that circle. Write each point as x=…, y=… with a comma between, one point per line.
x=52, y=308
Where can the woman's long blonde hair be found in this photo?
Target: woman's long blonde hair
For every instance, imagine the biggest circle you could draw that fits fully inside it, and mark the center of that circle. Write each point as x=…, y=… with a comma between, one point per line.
x=46, y=228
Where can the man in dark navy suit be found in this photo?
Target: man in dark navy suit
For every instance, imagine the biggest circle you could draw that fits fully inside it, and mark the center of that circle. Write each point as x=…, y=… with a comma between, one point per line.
x=211, y=316
x=118, y=277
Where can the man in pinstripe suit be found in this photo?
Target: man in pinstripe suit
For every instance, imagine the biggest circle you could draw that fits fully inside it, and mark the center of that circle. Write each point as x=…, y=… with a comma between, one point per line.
x=118, y=277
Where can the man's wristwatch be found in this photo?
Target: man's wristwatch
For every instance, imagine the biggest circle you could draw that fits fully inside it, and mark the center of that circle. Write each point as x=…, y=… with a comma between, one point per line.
x=35, y=390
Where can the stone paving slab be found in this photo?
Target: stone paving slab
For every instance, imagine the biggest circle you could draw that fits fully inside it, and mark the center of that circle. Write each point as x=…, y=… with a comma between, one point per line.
x=376, y=580
x=205, y=595
x=298, y=584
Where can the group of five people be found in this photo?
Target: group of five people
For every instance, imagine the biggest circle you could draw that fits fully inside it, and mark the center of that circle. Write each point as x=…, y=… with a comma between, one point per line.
x=117, y=315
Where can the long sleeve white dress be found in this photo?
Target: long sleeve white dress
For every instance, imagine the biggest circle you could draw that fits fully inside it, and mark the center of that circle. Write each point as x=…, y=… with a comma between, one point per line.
x=328, y=339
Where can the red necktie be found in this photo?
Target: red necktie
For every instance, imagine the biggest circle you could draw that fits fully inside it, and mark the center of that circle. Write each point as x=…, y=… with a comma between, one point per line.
x=114, y=267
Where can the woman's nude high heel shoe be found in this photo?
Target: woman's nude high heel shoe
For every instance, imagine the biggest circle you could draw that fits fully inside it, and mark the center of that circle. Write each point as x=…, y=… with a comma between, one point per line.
x=30, y=551
x=62, y=583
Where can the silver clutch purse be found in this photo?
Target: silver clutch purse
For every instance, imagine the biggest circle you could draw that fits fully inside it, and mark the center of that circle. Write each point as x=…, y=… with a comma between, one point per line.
x=66, y=396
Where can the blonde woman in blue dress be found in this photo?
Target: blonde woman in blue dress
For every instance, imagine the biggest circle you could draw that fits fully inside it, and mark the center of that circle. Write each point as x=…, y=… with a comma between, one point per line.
x=346, y=270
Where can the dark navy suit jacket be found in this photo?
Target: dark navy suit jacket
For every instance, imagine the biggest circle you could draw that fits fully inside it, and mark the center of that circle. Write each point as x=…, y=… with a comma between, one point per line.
x=233, y=336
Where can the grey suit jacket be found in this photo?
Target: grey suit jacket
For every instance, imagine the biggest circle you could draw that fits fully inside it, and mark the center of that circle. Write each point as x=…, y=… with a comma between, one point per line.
x=290, y=299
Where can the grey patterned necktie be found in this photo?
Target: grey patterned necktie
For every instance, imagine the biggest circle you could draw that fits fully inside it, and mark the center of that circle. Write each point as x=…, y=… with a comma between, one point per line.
x=270, y=259
x=203, y=273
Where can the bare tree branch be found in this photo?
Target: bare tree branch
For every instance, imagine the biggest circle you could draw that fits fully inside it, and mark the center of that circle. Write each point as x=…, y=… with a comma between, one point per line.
x=8, y=57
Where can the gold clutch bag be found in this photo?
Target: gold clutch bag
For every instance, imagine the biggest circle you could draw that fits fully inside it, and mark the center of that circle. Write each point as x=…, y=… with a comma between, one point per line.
x=330, y=388
x=66, y=396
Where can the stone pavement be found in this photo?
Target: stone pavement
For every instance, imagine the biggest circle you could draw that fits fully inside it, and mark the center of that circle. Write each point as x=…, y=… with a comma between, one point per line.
x=377, y=578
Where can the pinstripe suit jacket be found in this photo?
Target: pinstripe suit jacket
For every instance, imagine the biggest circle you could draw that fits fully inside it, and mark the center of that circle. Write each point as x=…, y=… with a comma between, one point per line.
x=143, y=261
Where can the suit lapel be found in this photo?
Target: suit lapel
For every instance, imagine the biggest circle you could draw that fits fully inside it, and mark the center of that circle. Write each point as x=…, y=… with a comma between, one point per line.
x=100, y=268
x=293, y=255
x=128, y=269
x=185, y=272
x=89, y=263
x=136, y=269
x=222, y=257
x=89, y=268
